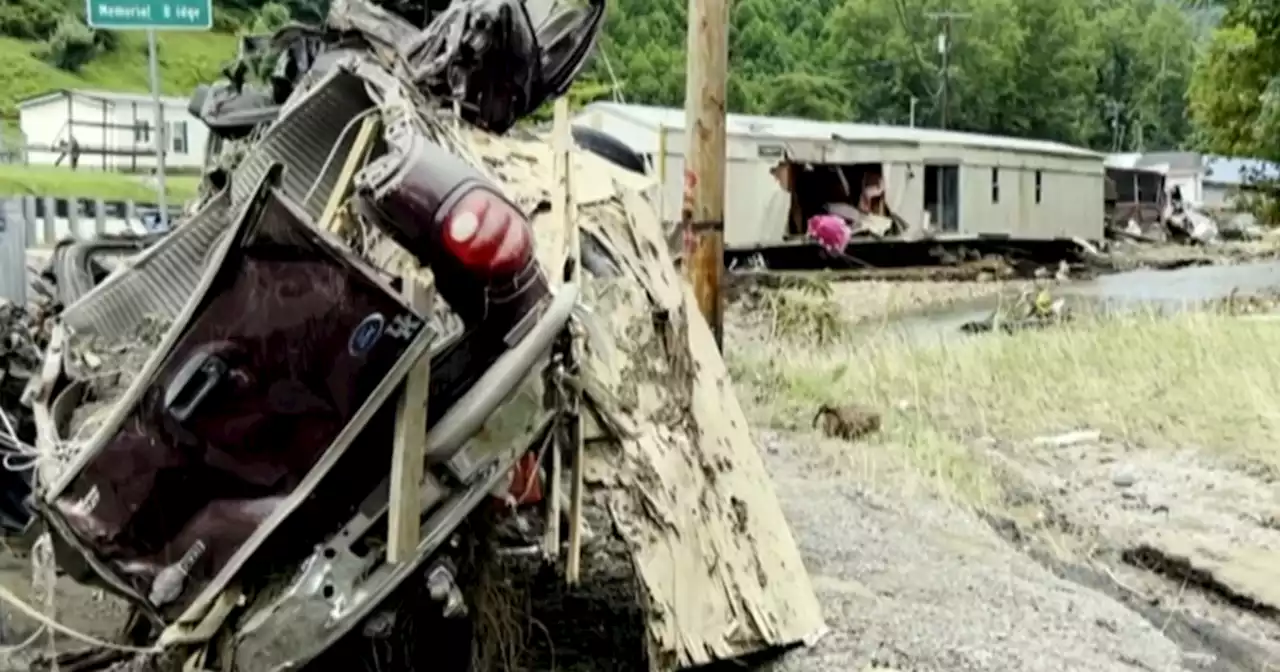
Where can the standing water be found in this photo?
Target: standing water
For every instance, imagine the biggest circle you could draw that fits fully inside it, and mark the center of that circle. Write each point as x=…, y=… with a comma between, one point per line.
x=1122, y=291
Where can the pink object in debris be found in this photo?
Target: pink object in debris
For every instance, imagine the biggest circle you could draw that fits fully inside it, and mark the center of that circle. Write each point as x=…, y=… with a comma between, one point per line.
x=830, y=231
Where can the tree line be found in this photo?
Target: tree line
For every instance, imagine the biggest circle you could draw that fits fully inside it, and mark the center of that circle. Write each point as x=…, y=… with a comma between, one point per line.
x=1114, y=75
x=1108, y=74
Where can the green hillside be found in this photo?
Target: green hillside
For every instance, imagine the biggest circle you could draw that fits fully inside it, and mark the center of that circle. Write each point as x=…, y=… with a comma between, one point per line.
x=186, y=59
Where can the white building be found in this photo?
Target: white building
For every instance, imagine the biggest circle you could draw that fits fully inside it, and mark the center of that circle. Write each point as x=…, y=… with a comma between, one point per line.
x=964, y=184
x=1208, y=180
x=114, y=131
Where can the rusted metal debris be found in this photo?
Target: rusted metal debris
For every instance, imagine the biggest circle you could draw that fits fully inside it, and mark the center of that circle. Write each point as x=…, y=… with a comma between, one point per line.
x=217, y=419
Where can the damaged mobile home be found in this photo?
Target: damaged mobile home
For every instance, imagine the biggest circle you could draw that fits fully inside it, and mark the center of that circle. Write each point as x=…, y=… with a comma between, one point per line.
x=889, y=182
x=278, y=430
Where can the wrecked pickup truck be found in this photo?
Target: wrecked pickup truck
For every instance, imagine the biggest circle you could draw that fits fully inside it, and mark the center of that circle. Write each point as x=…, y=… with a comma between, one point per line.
x=225, y=407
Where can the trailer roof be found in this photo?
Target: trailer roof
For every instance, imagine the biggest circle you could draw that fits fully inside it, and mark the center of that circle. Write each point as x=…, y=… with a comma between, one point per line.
x=653, y=118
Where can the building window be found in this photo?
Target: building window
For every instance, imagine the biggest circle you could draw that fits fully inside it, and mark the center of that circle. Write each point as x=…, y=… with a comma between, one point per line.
x=178, y=131
x=995, y=185
x=1039, y=186
x=141, y=132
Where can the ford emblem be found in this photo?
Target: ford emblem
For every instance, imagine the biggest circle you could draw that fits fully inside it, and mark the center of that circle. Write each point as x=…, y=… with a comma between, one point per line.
x=366, y=334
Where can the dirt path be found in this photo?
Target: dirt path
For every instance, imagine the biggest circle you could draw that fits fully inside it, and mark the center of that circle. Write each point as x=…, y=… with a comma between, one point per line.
x=920, y=585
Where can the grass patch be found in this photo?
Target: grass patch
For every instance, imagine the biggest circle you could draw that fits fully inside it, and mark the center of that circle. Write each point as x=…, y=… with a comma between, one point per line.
x=1203, y=379
x=64, y=183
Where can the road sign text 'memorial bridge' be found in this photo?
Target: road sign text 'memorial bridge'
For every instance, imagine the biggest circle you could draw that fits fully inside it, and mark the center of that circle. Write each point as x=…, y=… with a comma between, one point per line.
x=150, y=14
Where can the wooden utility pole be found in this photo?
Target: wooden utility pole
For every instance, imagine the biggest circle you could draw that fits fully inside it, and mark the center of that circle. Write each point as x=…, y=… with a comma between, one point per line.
x=944, y=49
x=703, y=212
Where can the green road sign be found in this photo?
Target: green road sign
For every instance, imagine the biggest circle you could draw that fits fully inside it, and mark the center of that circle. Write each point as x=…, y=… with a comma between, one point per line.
x=150, y=14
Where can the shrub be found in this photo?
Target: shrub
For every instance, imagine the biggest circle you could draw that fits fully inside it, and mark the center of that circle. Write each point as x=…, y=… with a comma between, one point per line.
x=72, y=45
x=30, y=19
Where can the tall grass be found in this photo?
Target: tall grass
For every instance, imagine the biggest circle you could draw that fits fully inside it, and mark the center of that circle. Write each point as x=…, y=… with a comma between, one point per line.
x=1205, y=379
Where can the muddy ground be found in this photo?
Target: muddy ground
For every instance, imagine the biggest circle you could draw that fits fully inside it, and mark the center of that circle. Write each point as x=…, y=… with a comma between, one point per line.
x=1127, y=255
x=913, y=582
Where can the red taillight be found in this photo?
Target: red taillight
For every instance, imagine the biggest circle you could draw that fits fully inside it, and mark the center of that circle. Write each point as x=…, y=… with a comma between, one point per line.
x=487, y=235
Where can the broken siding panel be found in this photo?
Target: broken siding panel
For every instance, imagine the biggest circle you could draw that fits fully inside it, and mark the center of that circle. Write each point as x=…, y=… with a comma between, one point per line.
x=756, y=205
x=718, y=563
x=904, y=191
x=687, y=490
x=846, y=152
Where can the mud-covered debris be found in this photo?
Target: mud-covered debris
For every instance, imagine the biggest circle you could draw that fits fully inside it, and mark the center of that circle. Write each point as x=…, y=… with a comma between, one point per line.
x=22, y=340
x=849, y=422
x=1031, y=310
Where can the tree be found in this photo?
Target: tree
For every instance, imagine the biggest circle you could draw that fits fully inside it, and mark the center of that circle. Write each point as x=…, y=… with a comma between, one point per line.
x=1233, y=99
x=72, y=45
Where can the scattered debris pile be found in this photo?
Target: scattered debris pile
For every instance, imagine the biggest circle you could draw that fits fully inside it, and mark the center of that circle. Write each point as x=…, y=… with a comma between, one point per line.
x=1030, y=310
x=1152, y=215
x=1247, y=303
x=834, y=203
x=279, y=431
x=22, y=342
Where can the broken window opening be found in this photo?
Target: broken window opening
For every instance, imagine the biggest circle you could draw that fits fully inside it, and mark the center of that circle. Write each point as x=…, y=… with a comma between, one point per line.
x=1039, y=187
x=1136, y=195
x=1150, y=186
x=854, y=192
x=942, y=196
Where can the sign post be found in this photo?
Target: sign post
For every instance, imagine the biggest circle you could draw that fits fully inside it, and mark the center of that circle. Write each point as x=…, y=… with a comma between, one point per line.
x=152, y=15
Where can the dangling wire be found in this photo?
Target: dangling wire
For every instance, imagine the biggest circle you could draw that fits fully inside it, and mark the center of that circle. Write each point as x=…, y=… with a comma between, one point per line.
x=15, y=455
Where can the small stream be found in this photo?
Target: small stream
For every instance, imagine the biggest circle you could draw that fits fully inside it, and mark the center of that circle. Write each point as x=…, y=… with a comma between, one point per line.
x=1123, y=291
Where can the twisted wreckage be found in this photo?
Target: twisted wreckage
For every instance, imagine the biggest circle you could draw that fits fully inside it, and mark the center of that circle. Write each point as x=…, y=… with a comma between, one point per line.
x=273, y=430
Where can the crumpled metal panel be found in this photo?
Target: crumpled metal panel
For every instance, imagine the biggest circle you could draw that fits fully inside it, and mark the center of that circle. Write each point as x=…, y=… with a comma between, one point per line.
x=312, y=138
x=162, y=279
x=157, y=283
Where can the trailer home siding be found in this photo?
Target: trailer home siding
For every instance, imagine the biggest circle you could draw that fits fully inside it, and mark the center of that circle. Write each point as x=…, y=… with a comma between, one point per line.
x=1005, y=186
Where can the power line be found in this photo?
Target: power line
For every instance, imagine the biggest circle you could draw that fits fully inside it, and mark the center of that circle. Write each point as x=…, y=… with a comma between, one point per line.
x=944, y=48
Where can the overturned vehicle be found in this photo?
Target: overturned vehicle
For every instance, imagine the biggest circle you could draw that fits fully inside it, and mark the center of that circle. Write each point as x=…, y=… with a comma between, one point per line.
x=274, y=431
x=230, y=406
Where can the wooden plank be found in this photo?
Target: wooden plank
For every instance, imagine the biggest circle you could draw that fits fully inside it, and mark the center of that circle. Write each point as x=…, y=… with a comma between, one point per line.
x=560, y=218
x=330, y=220
x=573, y=431
x=404, y=515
